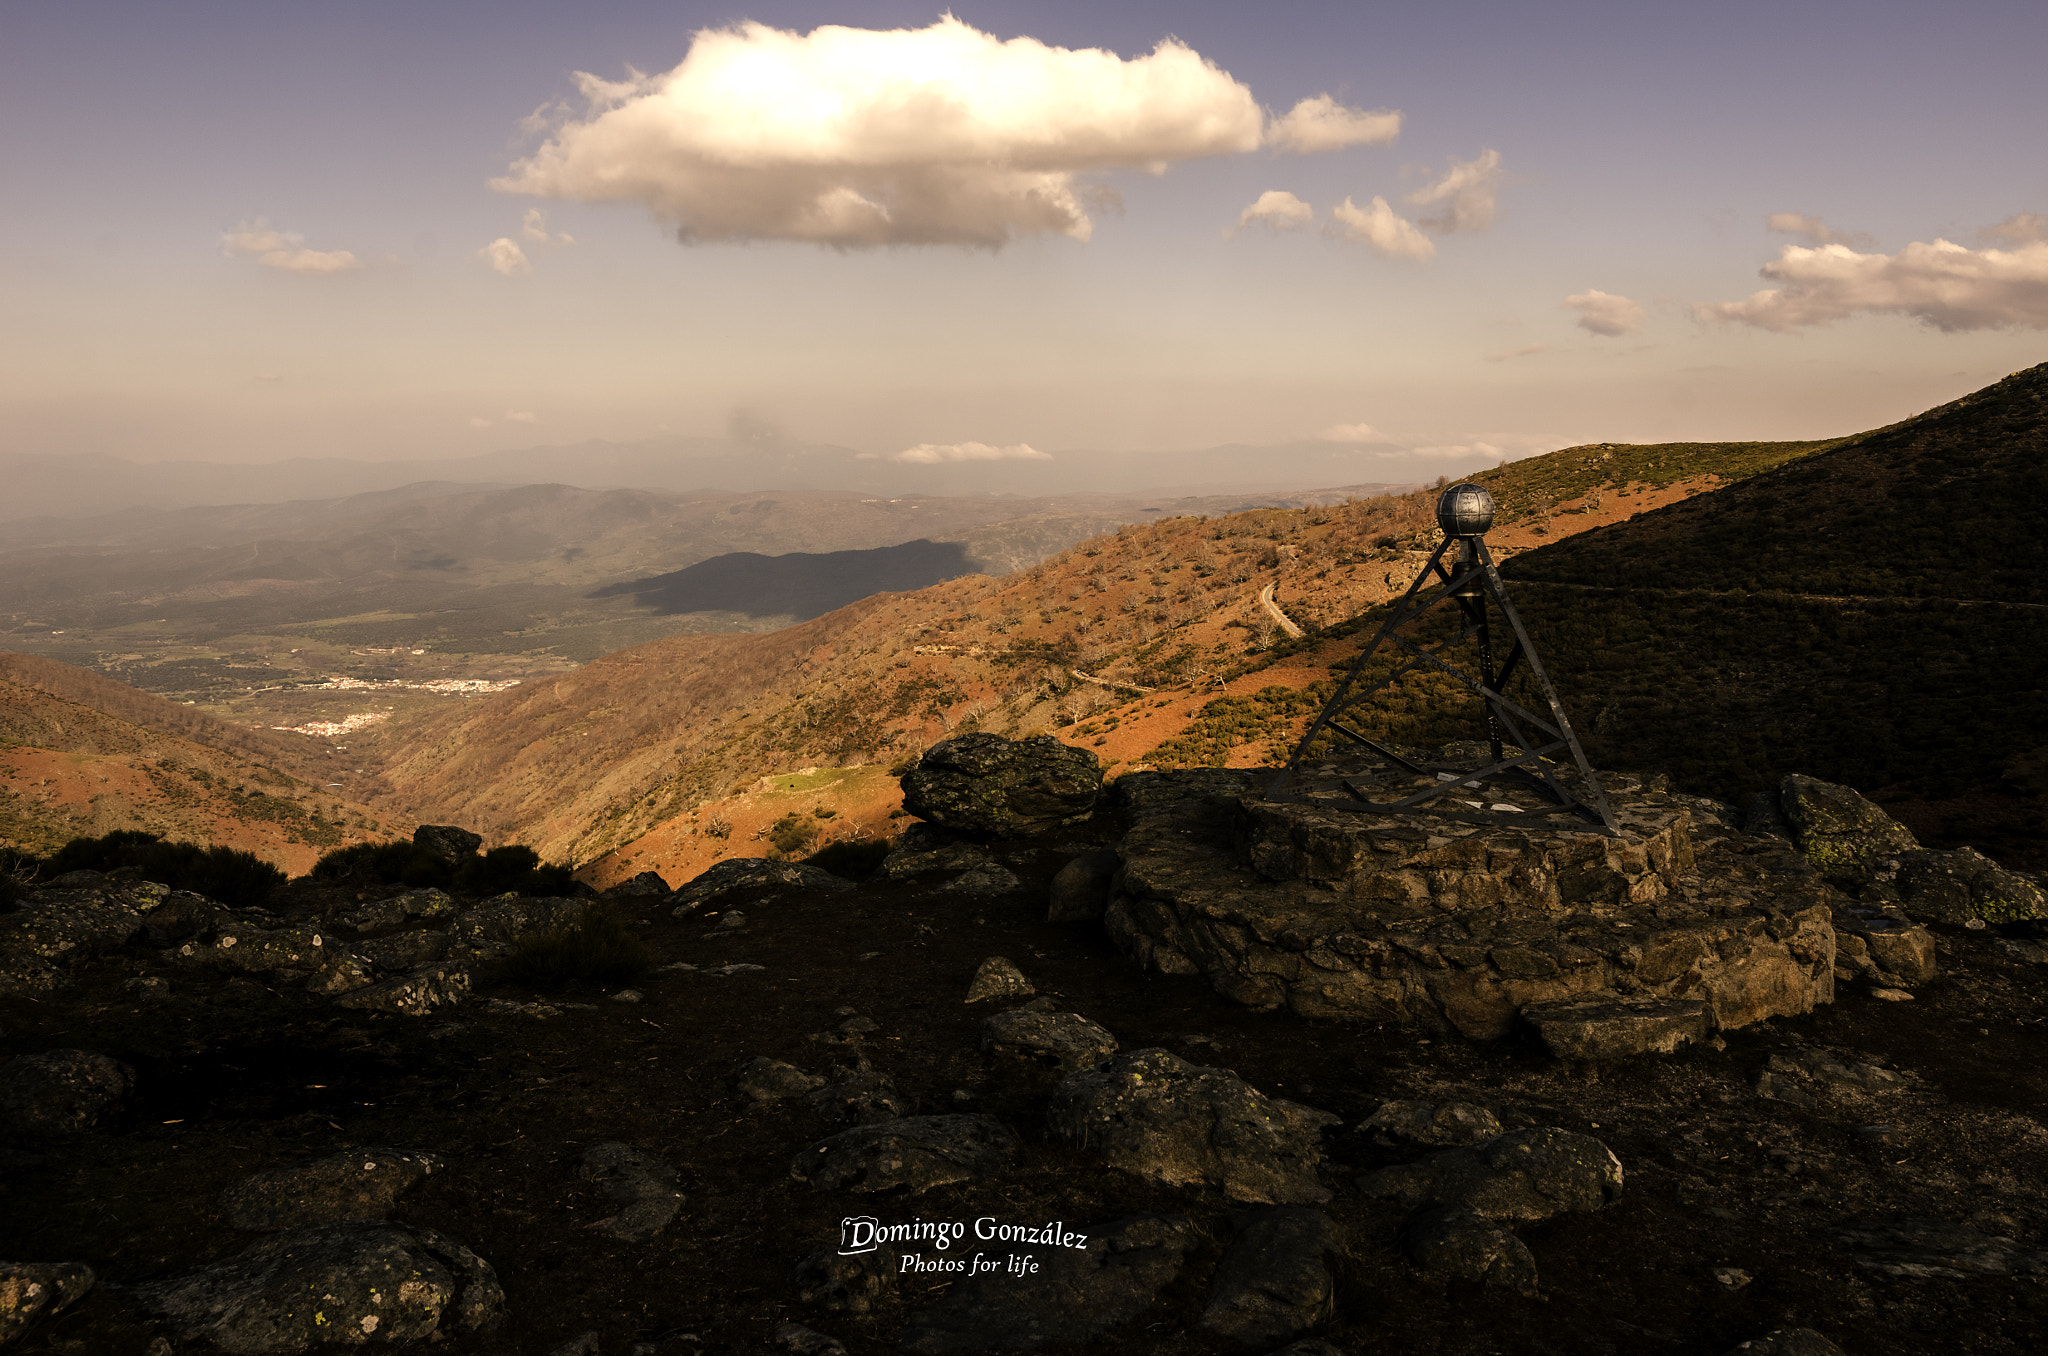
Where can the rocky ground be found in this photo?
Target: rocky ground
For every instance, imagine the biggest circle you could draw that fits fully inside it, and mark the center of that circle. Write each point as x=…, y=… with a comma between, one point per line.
x=441, y=1155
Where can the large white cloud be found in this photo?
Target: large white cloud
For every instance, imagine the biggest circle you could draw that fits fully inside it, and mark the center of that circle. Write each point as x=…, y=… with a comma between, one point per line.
x=857, y=138
x=1465, y=197
x=1278, y=210
x=1380, y=227
x=1323, y=124
x=1604, y=313
x=933, y=454
x=284, y=250
x=1942, y=284
x=2022, y=228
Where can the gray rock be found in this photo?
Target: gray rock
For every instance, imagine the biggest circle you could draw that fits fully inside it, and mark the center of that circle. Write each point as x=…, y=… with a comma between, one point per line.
x=1841, y=833
x=642, y=1185
x=361, y=1184
x=494, y=927
x=918, y=1152
x=33, y=1290
x=985, y=880
x=357, y=1282
x=1451, y=1245
x=1522, y=1177
x=1159, y=1117
x=344, y=972
x=1959, y=887
x=59, y=924
x=414, y=995
x=996, y=977
x=1883, y=949
x=847, y=1285
x=867, y=1098
x=803, y=1341
x=1787, y=1342
x=1823, y=1067
x=750, y=873
x=396, y=910
x=770, y=1080
x=447, y=842
x=986, y=784
x=1274, y=1281
x=646, y=883
x=1430, y=1125
x=258, y=951
x=1075, y=1294
x=1062, y=1040
x=1080, y=892
x=913, y=858
x=60, y=1091
x=404, y=950
x=1612, y=1028
x=1913, y=1247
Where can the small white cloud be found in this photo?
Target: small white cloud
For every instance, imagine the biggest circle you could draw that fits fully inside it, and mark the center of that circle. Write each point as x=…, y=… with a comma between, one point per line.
x=1323, y=124
x=1351, y=433
x=533, y=229
x=1277, y=210
x=1465, y=197
x=504, y=255
x=477, y=421
x=2022, y=228
x=932, y=454
x=1942, y=284
x=1510, y=354
x=521, y=417
x=1381, y=228
x=857, y=138
x=1813, y=228
x=284, y=250
x=1604, y=313
x=1455, y=451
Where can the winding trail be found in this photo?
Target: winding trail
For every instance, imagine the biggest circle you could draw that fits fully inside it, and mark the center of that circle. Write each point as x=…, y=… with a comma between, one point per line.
x=1286, y=623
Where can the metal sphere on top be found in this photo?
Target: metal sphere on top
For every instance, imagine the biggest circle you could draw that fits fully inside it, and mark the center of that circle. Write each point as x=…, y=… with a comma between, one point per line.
x=1464, y=511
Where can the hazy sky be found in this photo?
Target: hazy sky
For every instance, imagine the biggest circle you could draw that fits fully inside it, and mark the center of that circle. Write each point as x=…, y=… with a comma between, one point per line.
x=248, y=232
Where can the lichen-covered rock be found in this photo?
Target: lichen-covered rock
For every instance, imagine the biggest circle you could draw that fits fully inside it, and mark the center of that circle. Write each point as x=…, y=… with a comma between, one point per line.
x=362, y=1184
x=1608, y=1029
x=867, y=1098
x=917, y=1152
x=1523, y=1177
x=747, y=873
x=396, y=910
x=492, y=928
x=1430, y=1125
x=771, y=1080
x=404, y=950
x=641, y=1184
x=998, y=977
x=414, y=995
x=61, y=1091
x=1842, y=834
x=1955, y=887
x=1156, y=1116
x=1451, y=1244
x=1274, y=1281
x=34, y=1290
x=447, y=842
x=80, y=914
x=354, y=1283
x=911, y=860
x=1063, y=1040
x=986, y=784
x=259, y=951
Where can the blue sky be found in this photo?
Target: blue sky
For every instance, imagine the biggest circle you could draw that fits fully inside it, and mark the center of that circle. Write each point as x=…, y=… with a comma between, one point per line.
x=185, y=181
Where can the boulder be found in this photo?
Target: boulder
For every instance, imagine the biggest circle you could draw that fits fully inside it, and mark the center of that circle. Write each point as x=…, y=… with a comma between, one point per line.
x=494, y=927
x=361, y=1184
x=1823, y=1066
x=396, y=910
x=1071, y=1295
x=414, y=995
x=996, y=977
x=1080, y=891
x=1523, y=1177
x=1958, y=886
x=984, y=881
x=1274, y=1281
x=404, y=950
x=1841, y=833
x=61, y=1091
x=34, y=1290
x=1430, y=1125
x=841, y=1284
x=749, y=873
x=344, y=972
x=1609, y=1029
x=295, y=950
x=1787, y=1342
x=1062, y=1040
x=867, y=1098
x=1914, y=1248
x=646, y=883
x=985, y=784
x=917, y=1152
x=1159, y=1117
x=447, y=842
x=80, y=914
x=1881, y=945
x=771, y=1080
x=642, y=1185
x=1453, y=1245
x=356, y=1282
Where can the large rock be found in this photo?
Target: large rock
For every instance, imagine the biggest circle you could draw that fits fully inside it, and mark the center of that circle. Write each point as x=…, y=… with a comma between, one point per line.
x=867, y=1098
x=917, y=1152
x=749, y=873
x=1915, y=1248
x=61, y=1091
x=1451, y=1244
x=1883, y=946
x=845, y=1284
x=1430, y=1125
x=291, y=950
x=771, y=1080
x=80, y=914
x=33, y=1290
x=494, y=927
x=1955, y=887
x=1080, y=892
x=356, y=1282
x=396, y=910
x=1069, y=1295
x=986, y=784
x=1063, y=1040
x=1523, y=1177
x=642, y=1185
x=1842, y=834
x=1153, y=1114
x=1430, y=920
x=1609, y=1029
x=998, y=977
x=362, y=1184
x=414, y=995
x=447, y=842
x=1274, y=1281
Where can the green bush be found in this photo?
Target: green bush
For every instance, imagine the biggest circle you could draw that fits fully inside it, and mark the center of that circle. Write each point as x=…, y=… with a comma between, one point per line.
x=599, y=949
x=852, y=859
x=516, y=869
x=233, y=877
x=791, y=834
x=397, y=863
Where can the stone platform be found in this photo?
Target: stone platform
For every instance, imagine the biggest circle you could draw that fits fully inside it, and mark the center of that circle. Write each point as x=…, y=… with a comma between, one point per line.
x=1466, y=924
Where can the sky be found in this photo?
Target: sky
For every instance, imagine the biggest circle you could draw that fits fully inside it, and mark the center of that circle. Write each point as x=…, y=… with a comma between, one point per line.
x=1460, y=232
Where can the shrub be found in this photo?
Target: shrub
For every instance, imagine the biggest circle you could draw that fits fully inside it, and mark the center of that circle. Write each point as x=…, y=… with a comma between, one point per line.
x=397, y=863
x=514, y=868
x=233, y=877
x=599, y=949
x=18, y=873
x=791, y=834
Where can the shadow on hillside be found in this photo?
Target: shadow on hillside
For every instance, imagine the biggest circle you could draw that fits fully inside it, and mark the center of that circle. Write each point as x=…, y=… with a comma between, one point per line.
x=799, y=584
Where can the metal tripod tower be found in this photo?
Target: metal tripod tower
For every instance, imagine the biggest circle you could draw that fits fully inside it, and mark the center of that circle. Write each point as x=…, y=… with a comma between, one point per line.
x=1464, y=512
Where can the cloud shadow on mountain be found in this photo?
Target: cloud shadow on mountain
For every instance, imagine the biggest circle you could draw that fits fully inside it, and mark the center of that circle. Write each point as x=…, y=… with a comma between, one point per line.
x=800, y=584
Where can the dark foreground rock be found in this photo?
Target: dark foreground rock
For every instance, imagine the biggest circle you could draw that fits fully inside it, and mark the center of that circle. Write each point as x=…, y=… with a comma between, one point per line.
x=1072, y=1295
x=35, y=1290
x=355, y=1282
x=1609, y=1029
x=57, y=1091
x=414, y=995
x=362, y=1184
x=1430, y=1125
x=1065, y=1041
x=918, y=1152
x=641, y=1185
x=986, y=784
x=1524, y=1177
x=1153, y=1114
x=1274, y=1281
x=447, y=842
x=751, y=873
x=1452, y=1244
x=1787, y=1342
x=1914, y=1248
